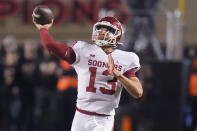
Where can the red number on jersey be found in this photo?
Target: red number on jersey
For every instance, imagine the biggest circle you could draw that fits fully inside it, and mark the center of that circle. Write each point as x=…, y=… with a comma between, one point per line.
x=110, y=82
x=91, y=87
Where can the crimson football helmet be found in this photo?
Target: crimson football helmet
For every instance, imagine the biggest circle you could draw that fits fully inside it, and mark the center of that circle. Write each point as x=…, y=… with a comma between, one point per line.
x=112, y=34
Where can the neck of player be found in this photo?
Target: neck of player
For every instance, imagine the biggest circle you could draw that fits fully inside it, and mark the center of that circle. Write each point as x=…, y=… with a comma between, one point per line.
x=107, y=49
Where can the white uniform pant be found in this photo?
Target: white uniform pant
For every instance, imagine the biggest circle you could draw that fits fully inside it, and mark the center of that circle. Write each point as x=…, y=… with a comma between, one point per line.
x=84, y=122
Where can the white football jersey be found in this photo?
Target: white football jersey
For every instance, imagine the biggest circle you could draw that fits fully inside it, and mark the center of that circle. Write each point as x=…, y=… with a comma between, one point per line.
x=97, y=90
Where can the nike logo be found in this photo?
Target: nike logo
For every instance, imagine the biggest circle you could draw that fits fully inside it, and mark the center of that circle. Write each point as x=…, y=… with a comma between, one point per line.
x=92, y=55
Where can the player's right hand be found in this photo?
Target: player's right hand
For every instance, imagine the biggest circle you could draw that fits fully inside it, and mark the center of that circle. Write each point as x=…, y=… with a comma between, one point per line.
x=111, y=69
x=39, y=26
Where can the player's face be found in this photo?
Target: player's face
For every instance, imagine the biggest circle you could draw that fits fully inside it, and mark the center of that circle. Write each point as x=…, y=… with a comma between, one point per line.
x=105, y=33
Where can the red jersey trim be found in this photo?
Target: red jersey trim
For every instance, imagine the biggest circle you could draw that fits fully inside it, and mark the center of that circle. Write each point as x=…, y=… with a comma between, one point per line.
x=89, y=113
x=130, y=73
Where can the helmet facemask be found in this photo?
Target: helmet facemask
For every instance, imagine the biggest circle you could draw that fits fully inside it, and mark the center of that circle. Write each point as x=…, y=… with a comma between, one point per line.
x=105, y=38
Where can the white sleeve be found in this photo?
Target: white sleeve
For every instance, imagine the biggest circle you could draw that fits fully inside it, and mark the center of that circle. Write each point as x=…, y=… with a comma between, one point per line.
x=135, y=62
x=77, y=49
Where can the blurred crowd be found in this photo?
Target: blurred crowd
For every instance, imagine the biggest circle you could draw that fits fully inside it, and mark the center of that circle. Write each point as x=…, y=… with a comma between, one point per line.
x=34, y=88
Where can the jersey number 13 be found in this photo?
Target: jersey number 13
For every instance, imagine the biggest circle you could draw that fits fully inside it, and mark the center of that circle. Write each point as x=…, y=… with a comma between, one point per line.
x=91, y=87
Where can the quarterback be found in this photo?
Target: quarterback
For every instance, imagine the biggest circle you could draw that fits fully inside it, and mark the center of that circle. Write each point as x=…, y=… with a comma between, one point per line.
x=102, y=72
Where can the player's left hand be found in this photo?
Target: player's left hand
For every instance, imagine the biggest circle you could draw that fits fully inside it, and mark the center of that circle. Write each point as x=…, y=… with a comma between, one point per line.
x=111, y=69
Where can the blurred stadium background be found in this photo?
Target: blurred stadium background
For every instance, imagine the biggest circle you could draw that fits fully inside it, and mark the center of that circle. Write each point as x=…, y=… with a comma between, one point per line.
x=38, y=91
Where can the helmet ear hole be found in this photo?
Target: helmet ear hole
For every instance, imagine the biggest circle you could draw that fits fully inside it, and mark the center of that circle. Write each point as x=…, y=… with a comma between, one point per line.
x=118, y=38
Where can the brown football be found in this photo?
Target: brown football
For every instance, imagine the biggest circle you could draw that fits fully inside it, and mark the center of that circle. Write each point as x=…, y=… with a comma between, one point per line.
x=42, y=15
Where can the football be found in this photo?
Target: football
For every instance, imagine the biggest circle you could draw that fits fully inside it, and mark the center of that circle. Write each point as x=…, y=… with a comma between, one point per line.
x=42, y=15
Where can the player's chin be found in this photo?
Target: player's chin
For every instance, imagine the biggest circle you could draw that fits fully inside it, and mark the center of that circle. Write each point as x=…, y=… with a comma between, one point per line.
x=100, y=37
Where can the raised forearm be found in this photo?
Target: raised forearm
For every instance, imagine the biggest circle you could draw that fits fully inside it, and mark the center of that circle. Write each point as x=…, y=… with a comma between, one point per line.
x=129, y=81
x=60, y=50
x=132, y=85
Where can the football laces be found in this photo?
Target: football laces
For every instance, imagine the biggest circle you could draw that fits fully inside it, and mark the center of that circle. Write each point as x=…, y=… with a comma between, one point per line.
x=36, y=15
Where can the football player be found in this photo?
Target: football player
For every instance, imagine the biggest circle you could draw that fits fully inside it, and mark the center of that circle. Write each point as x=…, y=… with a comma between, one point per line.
x=102, y=72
